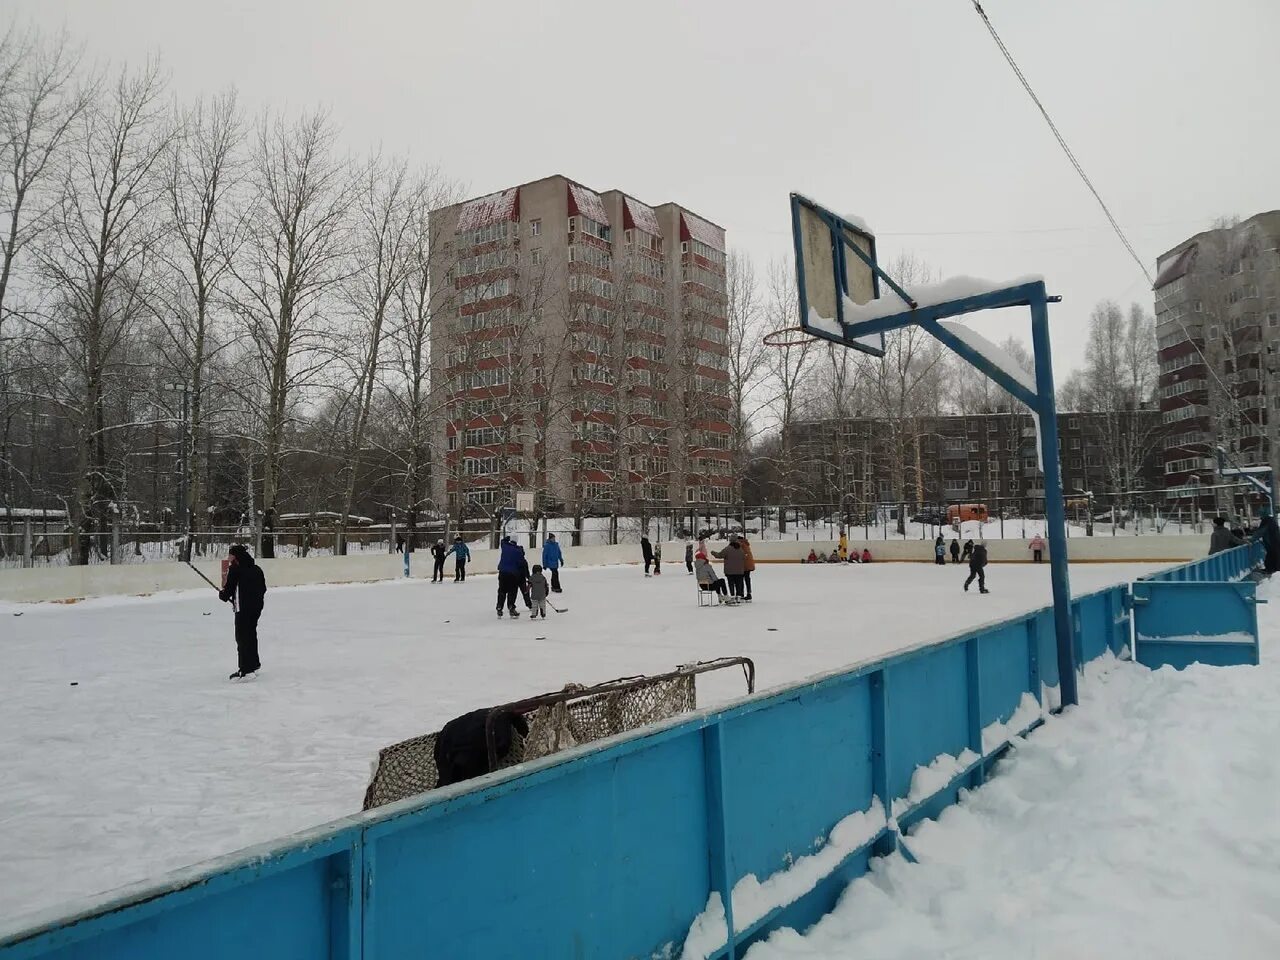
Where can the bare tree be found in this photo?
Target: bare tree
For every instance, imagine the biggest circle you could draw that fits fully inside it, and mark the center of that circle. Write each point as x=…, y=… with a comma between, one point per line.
x=202, y=177
x=98, y=259
x=747, y=356
x=40, y=102
x=1118, y=382
x=387, y=210
x=294, y=255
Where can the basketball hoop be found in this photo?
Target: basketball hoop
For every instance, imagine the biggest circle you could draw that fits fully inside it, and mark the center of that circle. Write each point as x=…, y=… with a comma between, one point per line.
x=787, y=337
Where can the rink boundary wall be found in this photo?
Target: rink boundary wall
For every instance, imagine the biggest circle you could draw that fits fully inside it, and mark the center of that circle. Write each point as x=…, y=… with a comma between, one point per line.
x=62, y=584
x=610, y=849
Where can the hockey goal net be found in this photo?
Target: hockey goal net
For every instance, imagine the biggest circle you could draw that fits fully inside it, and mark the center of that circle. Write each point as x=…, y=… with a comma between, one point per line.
x=557, y=721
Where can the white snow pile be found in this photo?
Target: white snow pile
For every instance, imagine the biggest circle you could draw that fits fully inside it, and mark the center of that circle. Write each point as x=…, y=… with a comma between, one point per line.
x=928, y=780
x=1141, y=824
x=753, y=899
x=1237, y=636
x=928, y=295
x=997, y=355
x=996, y=735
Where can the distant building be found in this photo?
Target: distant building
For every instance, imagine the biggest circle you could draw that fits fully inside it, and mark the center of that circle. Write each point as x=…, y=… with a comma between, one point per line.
x=986, y=458
x=1217, y=302
x=582, y=352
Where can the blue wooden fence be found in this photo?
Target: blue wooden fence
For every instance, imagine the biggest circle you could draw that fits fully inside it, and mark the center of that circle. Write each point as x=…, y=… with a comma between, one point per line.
x=612, y=849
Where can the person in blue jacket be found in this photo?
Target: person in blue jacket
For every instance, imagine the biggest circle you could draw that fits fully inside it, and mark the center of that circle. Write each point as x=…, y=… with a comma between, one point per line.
x=511, y=562
x=552, y=559
x=461, y=554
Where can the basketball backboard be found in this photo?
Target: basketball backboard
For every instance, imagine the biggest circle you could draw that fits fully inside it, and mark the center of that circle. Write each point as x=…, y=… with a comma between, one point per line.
x=524, y=501
x=834, y=258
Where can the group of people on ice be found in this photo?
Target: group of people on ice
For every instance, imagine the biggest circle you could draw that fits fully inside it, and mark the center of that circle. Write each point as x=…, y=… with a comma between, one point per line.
x=738, y=564
x=841, y=553
x=515, y=577
x=1224, y=538
x=460, y=551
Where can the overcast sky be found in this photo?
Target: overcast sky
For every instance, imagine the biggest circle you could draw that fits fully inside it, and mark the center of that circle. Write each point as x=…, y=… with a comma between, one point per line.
x=901, y=111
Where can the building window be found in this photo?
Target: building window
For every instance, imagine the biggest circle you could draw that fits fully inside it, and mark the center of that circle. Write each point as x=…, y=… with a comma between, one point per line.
x=975, y=467
x=1073, y=423
x=1075, y=443
x=1075, y=463
x=535, y=256
x=535, y=228
x=993, y=466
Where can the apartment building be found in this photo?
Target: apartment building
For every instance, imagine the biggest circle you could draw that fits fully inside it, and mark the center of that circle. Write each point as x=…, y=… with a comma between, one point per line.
x=989, y=458
x=579, y=352
x=1217, y=303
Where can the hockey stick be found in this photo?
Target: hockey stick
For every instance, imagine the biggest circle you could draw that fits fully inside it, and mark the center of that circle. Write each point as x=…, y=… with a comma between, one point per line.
x=557, y=609
x=202, y=576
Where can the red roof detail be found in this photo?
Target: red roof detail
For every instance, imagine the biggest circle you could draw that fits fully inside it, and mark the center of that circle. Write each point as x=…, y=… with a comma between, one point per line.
x=703, y=232
x=587, y=203
x=483, y=211
x=641, y=217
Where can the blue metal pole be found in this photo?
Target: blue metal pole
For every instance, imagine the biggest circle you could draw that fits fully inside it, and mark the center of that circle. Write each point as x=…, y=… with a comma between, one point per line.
x=1054, y=508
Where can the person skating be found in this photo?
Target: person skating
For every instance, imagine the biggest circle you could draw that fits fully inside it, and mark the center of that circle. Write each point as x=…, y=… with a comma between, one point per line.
x=1036, y=546
x=967, y=553
x=1222, y=538
x=940, y=552
x=438, y=553
x=461, y=554
x=246, y=590
x=538, y=593
x=646, y=551
x=1269, y=534
x=977, y=567
x=510, y=559
x=553, y=559
x=688, y=557
x=524, y=579
x=749, y=566
x=735, y=565
x=955, y=550
x=707, y=579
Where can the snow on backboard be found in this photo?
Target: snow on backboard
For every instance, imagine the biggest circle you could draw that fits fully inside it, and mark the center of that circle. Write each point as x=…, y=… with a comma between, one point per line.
x=643, y=217
x=587, y=203
x=829, y=275
x=489, y=209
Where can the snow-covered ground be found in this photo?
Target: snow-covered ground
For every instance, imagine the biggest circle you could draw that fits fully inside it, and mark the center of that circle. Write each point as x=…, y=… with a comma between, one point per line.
x=1141, y=825
x=125, y=751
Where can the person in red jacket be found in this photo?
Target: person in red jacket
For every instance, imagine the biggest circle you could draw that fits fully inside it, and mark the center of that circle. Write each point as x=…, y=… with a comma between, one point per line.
x=866, y=555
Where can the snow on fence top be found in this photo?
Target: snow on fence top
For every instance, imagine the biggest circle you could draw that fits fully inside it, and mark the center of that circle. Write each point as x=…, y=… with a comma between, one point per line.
x=703, y=232
x=587, y=203
x=643, y=217
x=486, y=210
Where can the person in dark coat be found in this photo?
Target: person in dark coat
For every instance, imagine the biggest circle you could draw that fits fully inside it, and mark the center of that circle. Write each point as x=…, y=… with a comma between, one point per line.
x=646, y=551
x=978, y=567
x=955, y=550
x=438, y=554
x=1269, y=534
x=735, y=567
x=462, y=751
x=524, y=579
x=246, y=590
x=688, y=556
x=967, y=553
x=510, y=563
x=1222, y=538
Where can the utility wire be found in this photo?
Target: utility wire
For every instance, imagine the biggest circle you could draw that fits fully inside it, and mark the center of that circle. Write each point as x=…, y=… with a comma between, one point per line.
x=1026, y=85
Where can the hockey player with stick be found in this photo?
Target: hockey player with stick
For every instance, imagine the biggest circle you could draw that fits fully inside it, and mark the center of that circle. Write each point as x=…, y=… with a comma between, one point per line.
x=510, y=565
x=246, y=590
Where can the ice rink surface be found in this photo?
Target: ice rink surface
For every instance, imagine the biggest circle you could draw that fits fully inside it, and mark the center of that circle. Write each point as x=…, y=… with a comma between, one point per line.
x=126, y=751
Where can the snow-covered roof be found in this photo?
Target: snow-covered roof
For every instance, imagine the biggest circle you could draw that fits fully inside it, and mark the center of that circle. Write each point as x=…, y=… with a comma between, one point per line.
x=643, y=216
x=1177, y=267
x=703, y=232
x=486, y=210
x=587, y=203
x=33, y=512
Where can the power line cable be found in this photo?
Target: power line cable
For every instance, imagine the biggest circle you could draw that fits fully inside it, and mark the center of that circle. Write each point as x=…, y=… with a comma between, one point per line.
x=1026, y=85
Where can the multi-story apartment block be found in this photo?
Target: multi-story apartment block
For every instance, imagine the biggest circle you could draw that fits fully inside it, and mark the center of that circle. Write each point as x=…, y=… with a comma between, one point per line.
x=990, y=458
x=1217, y=301
x=580, y=352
